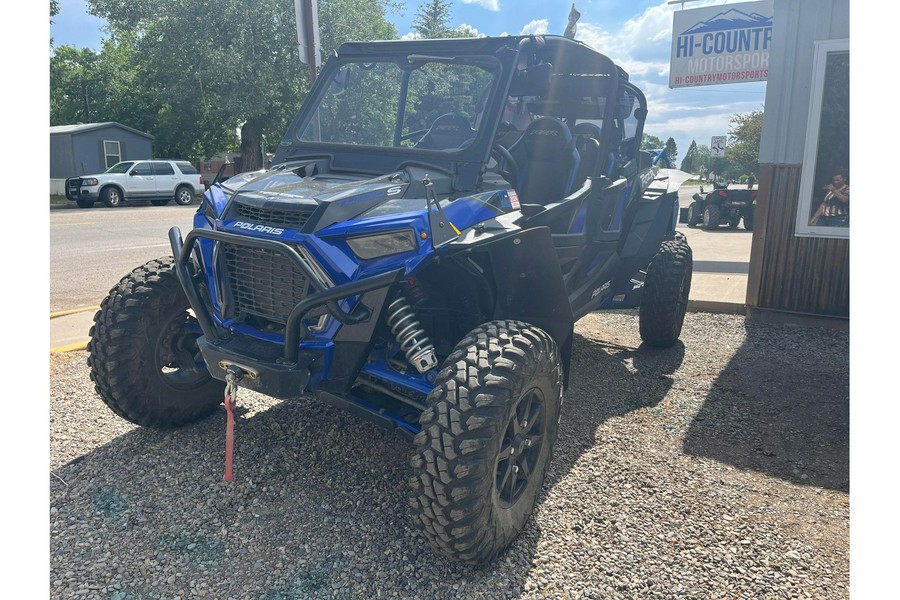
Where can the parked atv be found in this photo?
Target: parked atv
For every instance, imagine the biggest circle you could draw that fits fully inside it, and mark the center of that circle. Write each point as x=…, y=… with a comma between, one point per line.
x=416, y=258
x=723, y=205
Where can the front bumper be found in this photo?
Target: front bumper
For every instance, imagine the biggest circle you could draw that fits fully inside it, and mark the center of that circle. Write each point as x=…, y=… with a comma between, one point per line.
x=280, y=371
x=76, y=191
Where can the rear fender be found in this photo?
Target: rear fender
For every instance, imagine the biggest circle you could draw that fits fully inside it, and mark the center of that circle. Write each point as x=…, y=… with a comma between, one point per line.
x=652, y=223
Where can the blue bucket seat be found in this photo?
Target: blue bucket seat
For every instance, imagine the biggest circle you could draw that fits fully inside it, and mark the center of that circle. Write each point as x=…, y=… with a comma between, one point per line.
x=546, y=161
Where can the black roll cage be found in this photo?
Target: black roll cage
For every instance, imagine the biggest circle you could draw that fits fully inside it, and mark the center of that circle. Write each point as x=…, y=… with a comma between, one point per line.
x=576, y=68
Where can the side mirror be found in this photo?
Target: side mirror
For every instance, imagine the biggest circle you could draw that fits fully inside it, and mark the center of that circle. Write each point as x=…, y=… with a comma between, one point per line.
x=220, y=172
x=132, y=173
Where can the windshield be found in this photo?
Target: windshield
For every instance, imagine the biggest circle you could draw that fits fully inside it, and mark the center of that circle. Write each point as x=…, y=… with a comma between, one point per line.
x=121, y=167
x=420, y=102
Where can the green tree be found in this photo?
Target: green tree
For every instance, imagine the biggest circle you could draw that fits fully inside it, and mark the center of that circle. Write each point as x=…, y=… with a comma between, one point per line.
x=91, y=86
x=701, y=160
x=54, y=10
x=687, y=163
x=208, y=69
x=433, y=20
x=742, y=153
x=651, y=142
x=73, y=81
x=672, y=150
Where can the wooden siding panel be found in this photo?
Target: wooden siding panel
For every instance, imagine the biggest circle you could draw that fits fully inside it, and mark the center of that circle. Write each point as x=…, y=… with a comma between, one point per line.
x=789, y=273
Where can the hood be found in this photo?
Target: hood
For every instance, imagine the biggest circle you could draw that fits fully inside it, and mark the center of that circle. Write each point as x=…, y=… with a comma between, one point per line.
x=323, y=198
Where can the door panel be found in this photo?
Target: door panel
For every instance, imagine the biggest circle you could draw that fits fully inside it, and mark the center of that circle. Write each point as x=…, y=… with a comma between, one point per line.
x=141, y=182
x=164, y=174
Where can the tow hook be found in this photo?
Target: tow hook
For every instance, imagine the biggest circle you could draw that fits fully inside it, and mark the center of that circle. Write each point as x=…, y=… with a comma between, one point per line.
x=233, y=374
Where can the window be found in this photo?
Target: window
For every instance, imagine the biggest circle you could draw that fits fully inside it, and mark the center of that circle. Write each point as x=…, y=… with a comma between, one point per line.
x=142, y=168
x=112, y=152
x=121, y=167
x=162, y=168
x=410, y=103
x=824, y=208
x=187, y=169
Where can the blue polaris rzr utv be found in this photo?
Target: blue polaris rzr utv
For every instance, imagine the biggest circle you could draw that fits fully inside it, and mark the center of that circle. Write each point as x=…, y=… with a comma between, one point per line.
x=435, y=220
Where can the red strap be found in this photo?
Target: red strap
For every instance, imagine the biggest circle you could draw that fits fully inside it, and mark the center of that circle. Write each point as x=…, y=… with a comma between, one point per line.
x=229, y=436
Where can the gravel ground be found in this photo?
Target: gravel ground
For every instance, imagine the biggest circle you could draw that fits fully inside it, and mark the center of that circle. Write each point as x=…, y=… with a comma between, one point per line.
x=713, y=469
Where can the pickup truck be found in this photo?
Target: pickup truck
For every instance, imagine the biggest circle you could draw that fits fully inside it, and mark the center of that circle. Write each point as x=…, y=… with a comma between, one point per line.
x=159, y=181
x=723, y=205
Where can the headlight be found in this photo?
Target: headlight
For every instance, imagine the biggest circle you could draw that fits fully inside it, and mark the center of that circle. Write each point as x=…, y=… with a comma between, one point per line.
x=89, y=181
x=382, y=244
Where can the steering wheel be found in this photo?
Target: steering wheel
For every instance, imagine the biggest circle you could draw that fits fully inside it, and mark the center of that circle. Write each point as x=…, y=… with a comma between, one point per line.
x=511, y=173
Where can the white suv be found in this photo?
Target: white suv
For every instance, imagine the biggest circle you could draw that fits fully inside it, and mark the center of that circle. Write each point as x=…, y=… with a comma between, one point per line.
x=158, y=181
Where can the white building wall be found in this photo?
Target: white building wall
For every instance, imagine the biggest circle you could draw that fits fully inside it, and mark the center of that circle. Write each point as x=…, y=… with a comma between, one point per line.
x=797, y=25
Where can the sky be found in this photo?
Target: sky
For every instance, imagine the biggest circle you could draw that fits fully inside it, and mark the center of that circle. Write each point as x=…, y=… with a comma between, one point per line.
x=636, y=35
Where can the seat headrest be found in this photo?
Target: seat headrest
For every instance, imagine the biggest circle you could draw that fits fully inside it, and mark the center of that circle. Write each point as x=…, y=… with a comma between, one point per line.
x=450, y=123
x=548, y=133
x=447, y=131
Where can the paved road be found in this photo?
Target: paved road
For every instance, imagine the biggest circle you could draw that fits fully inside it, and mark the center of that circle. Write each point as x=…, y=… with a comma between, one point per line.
x=722, y=251
x=92, y=249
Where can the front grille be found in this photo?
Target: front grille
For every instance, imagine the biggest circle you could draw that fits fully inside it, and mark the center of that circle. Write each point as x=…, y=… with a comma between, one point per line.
x=73, y=187
x=295, y=219
x=261, y=282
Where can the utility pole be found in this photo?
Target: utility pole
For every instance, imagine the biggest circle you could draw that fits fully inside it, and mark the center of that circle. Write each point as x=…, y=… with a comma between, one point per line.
x=87, y=106
x=307, y=14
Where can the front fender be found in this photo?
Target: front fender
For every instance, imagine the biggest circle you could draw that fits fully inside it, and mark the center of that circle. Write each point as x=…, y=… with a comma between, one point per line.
x=529, y=284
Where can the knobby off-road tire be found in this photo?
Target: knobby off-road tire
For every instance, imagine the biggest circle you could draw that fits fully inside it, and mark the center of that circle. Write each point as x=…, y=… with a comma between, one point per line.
x=694, y=215
x=665, y=295
x=486, y=440
x=143, y=354
x=711, y=216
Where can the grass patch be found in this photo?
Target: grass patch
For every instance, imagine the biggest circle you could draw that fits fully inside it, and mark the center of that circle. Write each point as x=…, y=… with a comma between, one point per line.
x=57, y=200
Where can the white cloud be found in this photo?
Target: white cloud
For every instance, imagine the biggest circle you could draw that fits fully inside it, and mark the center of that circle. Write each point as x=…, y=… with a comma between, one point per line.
x=536, y=27
x=493, y=5
x=412, y=35
x=468, y=31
